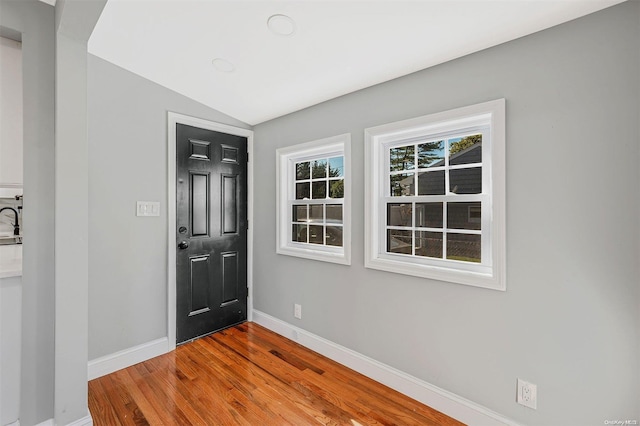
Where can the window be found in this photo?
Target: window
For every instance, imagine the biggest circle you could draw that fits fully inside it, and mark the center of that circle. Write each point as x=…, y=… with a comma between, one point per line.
x=435, y=188
x=313, y=206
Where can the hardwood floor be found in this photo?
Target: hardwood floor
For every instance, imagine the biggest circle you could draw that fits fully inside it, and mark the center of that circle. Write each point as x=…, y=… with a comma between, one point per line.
x=248, y=375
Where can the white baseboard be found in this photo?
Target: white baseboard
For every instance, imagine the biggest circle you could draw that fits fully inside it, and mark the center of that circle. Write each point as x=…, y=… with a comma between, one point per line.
x=117, y=361
x=85, y=421
x=444, y=401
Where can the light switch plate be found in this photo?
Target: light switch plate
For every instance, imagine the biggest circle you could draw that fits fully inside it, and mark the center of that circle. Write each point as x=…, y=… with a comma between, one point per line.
x=148, y=208
x=297, y=311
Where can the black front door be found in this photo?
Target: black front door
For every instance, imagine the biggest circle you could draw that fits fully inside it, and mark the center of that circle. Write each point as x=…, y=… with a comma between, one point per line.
x=211, y=231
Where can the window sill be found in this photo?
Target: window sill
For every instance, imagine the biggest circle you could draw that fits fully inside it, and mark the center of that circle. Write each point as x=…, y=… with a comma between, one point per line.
x=323, y=256
x=475, y=279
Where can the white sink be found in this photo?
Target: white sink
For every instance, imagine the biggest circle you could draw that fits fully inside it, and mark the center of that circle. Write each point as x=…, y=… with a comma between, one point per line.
x=10, y=261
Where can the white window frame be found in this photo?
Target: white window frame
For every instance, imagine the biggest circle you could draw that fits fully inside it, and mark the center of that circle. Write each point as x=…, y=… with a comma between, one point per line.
x=491, y=272
x=286, y=158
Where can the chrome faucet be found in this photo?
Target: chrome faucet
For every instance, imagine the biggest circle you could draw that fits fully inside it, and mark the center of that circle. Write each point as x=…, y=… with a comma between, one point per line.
x=16, y=225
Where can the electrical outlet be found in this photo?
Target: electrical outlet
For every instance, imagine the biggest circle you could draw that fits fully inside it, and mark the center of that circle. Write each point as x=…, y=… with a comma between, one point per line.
x=527, y=394
x=297, y=311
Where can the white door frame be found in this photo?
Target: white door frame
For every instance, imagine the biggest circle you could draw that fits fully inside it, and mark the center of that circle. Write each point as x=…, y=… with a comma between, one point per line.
x=173, y=119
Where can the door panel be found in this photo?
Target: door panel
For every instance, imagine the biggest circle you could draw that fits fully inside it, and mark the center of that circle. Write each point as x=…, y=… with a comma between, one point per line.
x=230, y=204
x=230, y=283
x=199, y=204
x=199, y=278
x=199, y=150
x=211, y=258
x=229, y=154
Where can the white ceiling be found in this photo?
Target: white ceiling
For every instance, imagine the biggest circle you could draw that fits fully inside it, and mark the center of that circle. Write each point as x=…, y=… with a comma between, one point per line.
x=338, y=46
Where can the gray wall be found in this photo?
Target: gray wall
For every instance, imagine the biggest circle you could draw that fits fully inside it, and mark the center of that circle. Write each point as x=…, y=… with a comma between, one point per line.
x=568, y=321
x=35, y=20
x=128, y=163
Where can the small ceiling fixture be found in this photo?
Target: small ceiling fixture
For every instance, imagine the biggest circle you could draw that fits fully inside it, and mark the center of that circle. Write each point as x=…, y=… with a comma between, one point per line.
x=223, y=65
x=281, y=25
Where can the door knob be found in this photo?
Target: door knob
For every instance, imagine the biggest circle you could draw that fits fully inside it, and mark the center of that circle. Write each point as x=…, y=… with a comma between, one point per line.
x=183, y=245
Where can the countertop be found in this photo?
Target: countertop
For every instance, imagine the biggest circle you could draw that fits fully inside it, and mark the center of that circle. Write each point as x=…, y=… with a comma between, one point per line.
x=10, y=260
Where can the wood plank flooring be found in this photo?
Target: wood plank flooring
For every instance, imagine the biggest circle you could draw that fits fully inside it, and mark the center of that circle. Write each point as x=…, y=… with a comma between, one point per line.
x=248, y=375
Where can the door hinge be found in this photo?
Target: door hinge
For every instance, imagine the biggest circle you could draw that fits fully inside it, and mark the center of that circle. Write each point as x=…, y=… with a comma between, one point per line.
x=247, y=157
x=247, y=224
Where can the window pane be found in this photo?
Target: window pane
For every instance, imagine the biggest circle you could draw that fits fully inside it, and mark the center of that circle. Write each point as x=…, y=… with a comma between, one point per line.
x=402, y=158
x=399, y=215
x=302, y=191
x=399, y=241
x=316, y=234
x=334, y=213
x=429, y=244
x=429, y=215
x=334, y=236
x=299, y=233
x=402, y=184
x=316, y=213
x=320, y=169
x=303, y=170
x=431, y=183
x=336, y=167
x=319, y=189
x=336, y=188
x=459, y=215
x=299, y=213
x=465, y=247
x=465, y=150
x=431, y=154
x=466, y=181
